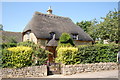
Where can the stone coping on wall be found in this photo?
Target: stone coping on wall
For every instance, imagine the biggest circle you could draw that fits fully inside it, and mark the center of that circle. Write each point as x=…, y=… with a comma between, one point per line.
x=94, y=67
x=26, y=72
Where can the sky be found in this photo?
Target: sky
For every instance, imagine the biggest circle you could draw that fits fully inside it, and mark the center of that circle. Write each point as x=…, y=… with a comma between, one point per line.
x=16, y=15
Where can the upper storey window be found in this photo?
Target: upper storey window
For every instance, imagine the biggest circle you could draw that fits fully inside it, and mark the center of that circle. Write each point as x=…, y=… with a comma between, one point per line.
x=75, y=36
x=52, y=35
x=28, y=35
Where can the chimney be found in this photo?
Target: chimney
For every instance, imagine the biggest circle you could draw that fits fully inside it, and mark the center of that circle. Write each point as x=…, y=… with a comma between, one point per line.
x=49, y=11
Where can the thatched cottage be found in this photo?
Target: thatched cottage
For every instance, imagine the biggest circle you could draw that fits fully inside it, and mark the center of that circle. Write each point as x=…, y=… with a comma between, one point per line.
x=45, y=29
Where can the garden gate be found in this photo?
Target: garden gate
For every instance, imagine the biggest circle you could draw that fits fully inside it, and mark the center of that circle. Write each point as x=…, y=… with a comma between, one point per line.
x=54, y=68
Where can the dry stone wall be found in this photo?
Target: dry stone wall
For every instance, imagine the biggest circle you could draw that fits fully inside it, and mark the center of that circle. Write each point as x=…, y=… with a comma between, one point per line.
x=26, y=72
x=79, y=68
x=41, y=71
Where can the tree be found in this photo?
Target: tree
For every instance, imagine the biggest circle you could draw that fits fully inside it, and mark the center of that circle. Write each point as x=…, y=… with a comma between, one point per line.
x=106, y=29
x=1, y=27
x=84, y=25
x=89, y=27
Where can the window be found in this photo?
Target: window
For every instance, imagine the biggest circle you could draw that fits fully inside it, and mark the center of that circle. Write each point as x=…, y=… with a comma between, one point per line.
x=28, y=35
x=52, y=35
x=75, y=36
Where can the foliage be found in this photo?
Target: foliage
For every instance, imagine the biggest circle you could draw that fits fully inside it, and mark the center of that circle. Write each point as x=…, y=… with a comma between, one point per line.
x=84, y=25
x=17, y=57
x=89, y=27
x=28, y=44
x=98, y=53
x=108, y=29
x=66, y=55
x=65, y=40
x=87, y=54
x=3, y=47
x=0, y=57
x=105, y=29
x=8, y=45
x=64, y=37
x=1, y=27
x=39, y=56
x=21, y=56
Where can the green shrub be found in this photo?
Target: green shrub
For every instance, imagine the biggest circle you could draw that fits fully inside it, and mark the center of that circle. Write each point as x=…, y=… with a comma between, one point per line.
x=17, y=57
x=98, y=53
x=64, y=37
x=65, y=40
x=7, y=45
x=87, y=54
x=66, y=55
x=28, y=44
x=39, y=56
x=0, y=57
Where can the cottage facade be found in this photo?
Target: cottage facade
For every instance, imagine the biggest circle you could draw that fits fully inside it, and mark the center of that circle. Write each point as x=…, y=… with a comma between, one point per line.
x=45, y=29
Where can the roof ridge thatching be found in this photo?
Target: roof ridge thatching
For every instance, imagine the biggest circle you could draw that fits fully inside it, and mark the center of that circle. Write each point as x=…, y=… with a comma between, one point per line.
x=50, y=15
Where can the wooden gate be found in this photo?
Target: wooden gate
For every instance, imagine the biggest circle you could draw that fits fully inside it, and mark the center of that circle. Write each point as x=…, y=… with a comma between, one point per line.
x=54, y=68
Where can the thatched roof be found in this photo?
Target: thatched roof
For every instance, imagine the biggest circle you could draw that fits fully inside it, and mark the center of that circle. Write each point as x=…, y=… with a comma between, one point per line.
x=7, y=36
x=43, y=24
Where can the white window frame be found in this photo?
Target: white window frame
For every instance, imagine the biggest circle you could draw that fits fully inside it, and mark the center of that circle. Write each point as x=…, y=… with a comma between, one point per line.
x=28, y=35
x=75, y=36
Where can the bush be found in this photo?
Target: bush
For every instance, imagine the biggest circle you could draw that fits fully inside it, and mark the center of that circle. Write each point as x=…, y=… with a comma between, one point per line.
x=87, y=54
x=98, y=53
x=66, y=55
x=28, y=44
x=39, y=56
x=8, y=45
x=17, y=57
x=0, y=57
x=65, y=40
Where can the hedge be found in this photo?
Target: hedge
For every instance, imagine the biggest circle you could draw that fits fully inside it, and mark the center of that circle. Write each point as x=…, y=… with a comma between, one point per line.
x=87, y=54
x=98, y=53
x=7, y=45
x=17, y=57
x=66, y=55
x=39, y=56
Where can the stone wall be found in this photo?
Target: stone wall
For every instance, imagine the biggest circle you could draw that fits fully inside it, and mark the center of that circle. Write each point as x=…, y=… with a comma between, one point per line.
x=79, y=68
x=26, y=72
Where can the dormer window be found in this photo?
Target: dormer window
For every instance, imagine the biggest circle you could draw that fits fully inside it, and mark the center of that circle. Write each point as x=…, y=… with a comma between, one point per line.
x=75, y=36
x=28, y=35
x=52, y=35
